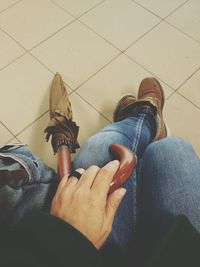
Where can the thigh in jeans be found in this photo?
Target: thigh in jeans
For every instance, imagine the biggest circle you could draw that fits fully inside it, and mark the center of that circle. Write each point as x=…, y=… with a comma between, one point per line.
x=169, y=186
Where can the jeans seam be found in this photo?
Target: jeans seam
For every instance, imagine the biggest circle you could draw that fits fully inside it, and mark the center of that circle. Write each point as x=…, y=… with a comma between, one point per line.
x=141, y=120
x=138, y=131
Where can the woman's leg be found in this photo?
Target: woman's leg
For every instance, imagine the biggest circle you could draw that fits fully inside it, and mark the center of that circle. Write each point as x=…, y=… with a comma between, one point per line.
x=169, y=185
x=135, y=132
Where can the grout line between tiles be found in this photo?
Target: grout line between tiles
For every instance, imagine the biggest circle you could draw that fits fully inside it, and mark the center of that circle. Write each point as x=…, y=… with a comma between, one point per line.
x=178, y=93
x=7, y=129
x=157, y=14
x=143, y=35
x=92, y=30
x=185, y=33
x=187, y=79
x=10, y=6
x=62, y=28
x=56, y=4
x=12, y=139
x=150, y=11
x=47, y=38
x=164, y=20
x=112, y=43
x=74, y=90
x=173, y=93
x=98, y=4
x=29, y=51
x=97, y=72
x=11, y=62
x=49, y=70
x=150, y=72
x=176, y=9
x=85, y=100
x=188, y=100
x=13, y=39
x=31, y=124
x=34, y=121
x=41, y=62
x=82, y=13
x=166, y=98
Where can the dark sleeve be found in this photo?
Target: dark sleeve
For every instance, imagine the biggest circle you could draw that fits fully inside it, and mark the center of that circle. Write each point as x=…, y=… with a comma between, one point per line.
x=45, y=240
x=179, y=247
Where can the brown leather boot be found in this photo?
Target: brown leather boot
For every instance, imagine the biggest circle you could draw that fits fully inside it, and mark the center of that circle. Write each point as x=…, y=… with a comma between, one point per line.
x=151, y=92
x=124, y=107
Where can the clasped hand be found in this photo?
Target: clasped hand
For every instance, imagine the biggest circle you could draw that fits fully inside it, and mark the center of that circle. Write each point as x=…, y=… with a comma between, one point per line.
x=85, y=203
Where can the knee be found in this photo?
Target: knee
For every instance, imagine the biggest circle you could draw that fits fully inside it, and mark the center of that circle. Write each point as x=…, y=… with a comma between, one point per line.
x=174, y=146
x=169, y=152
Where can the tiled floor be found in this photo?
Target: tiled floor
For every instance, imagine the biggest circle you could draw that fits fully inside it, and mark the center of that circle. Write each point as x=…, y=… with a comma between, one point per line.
x=103, y=49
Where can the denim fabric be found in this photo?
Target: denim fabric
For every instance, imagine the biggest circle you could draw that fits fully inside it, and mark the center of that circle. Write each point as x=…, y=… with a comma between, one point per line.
x=166, y=183
x=35, y=193
x=135, y=132
x=169, y=185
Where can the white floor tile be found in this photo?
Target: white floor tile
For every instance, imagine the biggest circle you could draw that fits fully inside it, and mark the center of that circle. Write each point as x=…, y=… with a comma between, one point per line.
x=76, y=53
x=191, y=89
x=121, y=76
x=25, y=92
x=161, y=8
x=31, y=21
x=9, y=51
x=121, y=22
x=167, y=53
x=35, y=138
x=5, y=135
x=183, y=119
x=86, y=118
x=187, y=18
x=77, y=7
x=7, y=3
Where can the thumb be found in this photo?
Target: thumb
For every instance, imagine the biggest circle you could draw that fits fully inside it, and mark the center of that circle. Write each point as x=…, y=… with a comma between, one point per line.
x=113, y=202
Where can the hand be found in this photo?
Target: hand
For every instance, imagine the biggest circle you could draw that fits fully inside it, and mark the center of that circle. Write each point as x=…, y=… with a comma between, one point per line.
x=85, y=203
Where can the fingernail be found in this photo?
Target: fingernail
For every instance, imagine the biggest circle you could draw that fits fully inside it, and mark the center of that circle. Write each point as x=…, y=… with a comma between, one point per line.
x=114, y=162
x=120, y=193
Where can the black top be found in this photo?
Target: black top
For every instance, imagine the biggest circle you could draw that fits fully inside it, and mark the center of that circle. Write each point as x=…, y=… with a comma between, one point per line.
x=44, y=240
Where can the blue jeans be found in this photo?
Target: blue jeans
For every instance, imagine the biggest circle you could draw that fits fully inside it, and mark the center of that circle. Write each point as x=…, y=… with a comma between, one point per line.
x=18, y=197
x=165, y=183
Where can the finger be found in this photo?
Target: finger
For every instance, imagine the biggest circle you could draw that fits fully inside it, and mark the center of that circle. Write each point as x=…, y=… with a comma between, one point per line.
x=73, y=180
x=62, y=183
x=113, y=202
x=104, y=178
x=88, y=176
